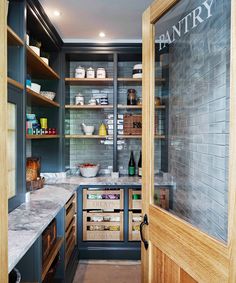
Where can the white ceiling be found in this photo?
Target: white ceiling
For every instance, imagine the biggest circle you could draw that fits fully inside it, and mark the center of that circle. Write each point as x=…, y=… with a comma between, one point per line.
x=82, y=20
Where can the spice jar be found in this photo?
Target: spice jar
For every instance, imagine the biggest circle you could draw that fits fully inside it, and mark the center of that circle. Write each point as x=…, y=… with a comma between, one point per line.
x=131, y=97
x=101, y=73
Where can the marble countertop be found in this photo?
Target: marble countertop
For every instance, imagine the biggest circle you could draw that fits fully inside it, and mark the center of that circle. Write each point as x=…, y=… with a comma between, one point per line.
x=27, y=222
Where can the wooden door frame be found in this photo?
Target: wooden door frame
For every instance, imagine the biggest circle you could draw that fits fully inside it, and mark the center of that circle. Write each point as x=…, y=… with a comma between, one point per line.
x=201, y=256
x=3, y=146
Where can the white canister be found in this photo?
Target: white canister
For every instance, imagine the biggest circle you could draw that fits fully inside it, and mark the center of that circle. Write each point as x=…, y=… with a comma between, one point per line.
x=101, y=73
x=80, y=73
x=138, y=71
x=79, y=99
x=90, y=74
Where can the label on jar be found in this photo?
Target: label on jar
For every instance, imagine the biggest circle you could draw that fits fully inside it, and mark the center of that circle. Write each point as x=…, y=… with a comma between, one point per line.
x=140, y=172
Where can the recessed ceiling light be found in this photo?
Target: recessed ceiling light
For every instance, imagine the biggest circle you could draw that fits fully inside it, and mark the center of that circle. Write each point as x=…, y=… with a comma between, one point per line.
x=102, y=34
x=56, y=13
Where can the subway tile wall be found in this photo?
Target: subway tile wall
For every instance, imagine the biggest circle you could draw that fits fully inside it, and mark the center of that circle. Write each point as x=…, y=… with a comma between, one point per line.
x=199, y=122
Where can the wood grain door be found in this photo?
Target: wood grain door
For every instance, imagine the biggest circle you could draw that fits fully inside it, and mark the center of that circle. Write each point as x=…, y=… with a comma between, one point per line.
x=3, y=145
x=189, y=60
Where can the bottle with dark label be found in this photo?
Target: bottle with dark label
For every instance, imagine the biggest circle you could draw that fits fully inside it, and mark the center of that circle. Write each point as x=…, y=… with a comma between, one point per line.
x=140, y=165
x=131, y=167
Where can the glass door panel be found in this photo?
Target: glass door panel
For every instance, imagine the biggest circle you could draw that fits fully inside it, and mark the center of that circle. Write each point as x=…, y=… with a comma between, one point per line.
x=193, y=58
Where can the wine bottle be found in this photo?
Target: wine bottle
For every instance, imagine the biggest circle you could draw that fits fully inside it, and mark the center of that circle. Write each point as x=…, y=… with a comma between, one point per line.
x=140, y=165
x=131, y=167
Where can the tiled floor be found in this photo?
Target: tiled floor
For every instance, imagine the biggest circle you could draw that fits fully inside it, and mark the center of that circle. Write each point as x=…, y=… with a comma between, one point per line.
x=108, y=272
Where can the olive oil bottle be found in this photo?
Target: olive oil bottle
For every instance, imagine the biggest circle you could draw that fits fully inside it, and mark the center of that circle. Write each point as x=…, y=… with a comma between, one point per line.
x=131, y=167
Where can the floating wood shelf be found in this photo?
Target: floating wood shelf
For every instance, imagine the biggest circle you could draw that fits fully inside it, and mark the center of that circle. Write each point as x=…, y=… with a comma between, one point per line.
x=50, y=258
x=86, y=137
x=138, y=137
x=38, y=68
x=38, y=100
x=15, y=83
x=85, y=81
x=131, y=81
x=89, y=106
x=137, y=107
x=37, y=137
x=13, y=38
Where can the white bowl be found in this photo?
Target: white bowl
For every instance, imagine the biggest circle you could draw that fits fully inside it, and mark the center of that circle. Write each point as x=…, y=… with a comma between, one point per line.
x=35, y=49
x=89, y=172
x=35, y=87
x=45, y=60
x=48, y=94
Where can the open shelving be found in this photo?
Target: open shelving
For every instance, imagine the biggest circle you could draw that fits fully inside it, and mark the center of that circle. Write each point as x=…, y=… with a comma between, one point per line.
x=13, y=38
x=38, y=137
x=15, y=83
x=86, y=81
x=161, y=137
x=88, y=107
x=86, y=137
x=38, y=68
x=35, y=99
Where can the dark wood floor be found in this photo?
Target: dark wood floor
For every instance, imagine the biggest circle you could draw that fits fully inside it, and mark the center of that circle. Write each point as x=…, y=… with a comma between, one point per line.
x=108, y=272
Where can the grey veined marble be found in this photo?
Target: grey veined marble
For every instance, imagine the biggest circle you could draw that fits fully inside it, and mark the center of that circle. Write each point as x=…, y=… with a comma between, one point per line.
x=28, y=221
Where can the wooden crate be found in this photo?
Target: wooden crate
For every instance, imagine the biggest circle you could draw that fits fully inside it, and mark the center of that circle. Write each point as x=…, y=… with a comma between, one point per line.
x=104, y=235
x=135, y=203
x=70, y=212
x=103, y=203
x=70, y=245
x=133, y=124
x=134, y=235
x=49, y=238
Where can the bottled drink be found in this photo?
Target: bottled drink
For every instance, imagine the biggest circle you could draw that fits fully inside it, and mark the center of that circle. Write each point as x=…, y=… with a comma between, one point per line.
x=131, y=167
x=140, y=165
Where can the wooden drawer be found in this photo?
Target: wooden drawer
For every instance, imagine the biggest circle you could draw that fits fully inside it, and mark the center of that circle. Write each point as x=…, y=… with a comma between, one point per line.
x=102, y=230
x=70, y=227
x=72, y=199
x=135, y=199
x=101, y=199
x=69, y=249
x=134, y=223
x=70, y=212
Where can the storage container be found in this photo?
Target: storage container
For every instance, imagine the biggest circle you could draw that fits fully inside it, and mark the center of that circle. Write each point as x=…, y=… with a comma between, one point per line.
x=135, y=199
x=135, y=220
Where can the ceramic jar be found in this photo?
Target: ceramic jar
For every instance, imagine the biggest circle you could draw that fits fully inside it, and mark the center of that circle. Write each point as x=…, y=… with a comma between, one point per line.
x=101, y=73
x=131, y=97
x=79, y=73
x=90, y=73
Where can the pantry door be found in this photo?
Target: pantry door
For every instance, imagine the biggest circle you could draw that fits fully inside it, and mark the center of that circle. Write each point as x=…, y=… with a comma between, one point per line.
x=3, y=145
x=189, y=61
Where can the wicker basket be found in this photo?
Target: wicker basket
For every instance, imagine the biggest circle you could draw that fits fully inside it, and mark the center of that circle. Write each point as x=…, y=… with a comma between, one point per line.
x=35, y=185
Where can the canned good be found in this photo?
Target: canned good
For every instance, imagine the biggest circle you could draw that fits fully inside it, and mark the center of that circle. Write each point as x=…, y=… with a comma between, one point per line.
x=44, y=123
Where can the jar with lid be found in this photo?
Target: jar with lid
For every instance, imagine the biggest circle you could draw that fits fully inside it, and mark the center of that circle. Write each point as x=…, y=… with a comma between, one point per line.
x=90, y=74
x=79, y=99
x=101, y=73
x=131, y=97
x=80, y=73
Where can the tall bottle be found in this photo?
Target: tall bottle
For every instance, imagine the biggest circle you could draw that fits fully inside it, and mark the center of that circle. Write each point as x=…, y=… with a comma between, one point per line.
x=140, y=165
x=131, y=167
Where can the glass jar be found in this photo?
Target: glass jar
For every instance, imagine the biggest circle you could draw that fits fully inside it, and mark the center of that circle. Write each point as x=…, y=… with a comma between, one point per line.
x=131, y=97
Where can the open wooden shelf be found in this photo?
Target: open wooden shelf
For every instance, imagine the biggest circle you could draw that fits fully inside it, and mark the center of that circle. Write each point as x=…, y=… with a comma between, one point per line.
x=138, y=137
x=15, y=83
x=85, y=81
x=132, y=81
x=13, y=38
x=37, y=137
x=38, y=100
x=86, y=137
x=50, y=258
x=89, y=106
x=137, y=107
x=38, y=68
